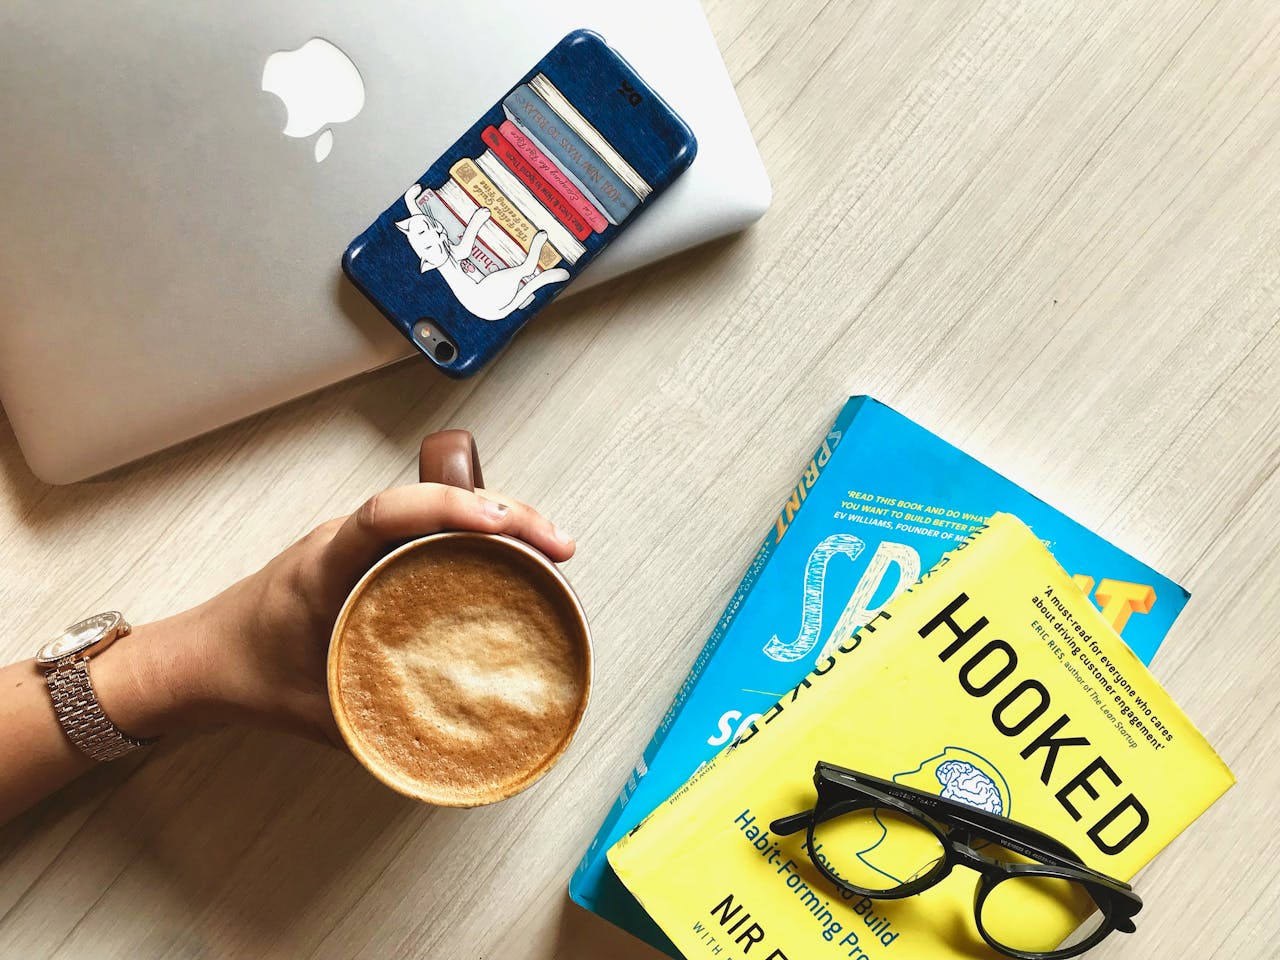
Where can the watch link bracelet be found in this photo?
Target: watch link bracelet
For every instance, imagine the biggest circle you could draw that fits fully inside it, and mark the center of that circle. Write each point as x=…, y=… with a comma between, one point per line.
x=65, y=661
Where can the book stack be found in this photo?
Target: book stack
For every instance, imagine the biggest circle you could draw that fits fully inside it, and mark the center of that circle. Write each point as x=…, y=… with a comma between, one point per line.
x=546, y=170
x=993, y=683
x=879, y=503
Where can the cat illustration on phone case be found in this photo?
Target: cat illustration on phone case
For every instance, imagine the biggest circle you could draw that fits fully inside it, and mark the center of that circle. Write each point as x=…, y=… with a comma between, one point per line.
x=490, y=297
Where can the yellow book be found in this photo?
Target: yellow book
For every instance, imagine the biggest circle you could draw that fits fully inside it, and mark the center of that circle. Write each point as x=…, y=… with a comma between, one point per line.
x=482, y=190
x=994, y=666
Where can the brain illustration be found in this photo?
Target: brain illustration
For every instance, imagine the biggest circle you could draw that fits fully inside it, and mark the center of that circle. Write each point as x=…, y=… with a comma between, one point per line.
x=964, y=782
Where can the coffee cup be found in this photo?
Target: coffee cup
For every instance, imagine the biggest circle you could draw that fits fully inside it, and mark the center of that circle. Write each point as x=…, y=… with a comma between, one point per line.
x=460, y=665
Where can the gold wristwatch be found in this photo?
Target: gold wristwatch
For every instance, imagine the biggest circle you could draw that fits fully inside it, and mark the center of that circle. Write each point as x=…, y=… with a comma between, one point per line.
x=66, y=664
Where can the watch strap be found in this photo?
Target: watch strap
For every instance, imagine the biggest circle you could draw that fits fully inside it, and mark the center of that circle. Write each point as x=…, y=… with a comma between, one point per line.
x=82, y=717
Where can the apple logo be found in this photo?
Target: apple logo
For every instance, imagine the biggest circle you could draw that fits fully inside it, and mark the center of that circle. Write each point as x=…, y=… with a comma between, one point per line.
x=318, y=85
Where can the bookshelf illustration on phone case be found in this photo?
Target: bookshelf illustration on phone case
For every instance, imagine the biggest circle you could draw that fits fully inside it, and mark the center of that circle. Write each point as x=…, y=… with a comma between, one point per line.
x=499, y=228
x=501, y=222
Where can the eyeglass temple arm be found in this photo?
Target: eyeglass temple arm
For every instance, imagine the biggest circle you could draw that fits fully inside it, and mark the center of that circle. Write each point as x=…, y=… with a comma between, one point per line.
x=993, y=826
x=998, y=828
x=785, y=826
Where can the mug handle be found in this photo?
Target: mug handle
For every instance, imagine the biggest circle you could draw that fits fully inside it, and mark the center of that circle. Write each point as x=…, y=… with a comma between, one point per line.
x=450, y=457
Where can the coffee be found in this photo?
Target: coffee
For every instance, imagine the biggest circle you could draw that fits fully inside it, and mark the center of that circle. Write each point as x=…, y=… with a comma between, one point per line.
x=460, y=669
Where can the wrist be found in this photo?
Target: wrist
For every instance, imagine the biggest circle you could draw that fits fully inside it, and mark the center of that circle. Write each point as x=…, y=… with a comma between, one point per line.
x=150, y=682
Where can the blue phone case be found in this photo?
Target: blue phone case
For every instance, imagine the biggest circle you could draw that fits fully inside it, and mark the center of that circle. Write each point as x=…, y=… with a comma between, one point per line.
x=525, y=199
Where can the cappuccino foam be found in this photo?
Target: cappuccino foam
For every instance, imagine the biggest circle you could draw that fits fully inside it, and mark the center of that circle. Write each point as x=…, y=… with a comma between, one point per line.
x=461, y=671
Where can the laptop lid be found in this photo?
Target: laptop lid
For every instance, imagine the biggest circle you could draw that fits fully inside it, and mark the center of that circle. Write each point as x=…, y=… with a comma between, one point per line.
x=169, y=258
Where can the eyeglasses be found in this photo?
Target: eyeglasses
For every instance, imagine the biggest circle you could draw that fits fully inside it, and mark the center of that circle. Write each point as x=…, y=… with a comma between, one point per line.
x=887, y=841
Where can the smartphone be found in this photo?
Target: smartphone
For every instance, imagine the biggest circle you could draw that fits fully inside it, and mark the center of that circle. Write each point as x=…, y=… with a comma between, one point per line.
x=505, y=219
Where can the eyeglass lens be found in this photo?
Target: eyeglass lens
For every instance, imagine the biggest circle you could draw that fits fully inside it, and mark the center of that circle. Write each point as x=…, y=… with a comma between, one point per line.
x=878, y=848
x=1035, y=914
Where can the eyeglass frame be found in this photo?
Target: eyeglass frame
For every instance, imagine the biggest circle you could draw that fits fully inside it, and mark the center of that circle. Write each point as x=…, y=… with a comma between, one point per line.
x=843, y=790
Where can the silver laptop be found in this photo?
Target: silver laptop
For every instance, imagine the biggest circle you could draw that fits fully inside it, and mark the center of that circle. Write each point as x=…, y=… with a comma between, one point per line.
x=169, y=257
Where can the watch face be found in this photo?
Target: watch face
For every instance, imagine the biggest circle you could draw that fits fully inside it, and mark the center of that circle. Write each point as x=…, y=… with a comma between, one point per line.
x=78, y=637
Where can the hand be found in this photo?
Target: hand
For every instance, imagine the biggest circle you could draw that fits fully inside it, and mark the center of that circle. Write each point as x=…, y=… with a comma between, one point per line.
x=256, y=653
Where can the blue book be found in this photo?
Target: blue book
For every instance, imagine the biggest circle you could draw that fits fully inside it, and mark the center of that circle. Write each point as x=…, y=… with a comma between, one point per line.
x=529, y=111
x=879, y=503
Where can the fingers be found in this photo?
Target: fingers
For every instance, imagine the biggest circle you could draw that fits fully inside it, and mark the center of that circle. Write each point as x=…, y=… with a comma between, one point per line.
x=529, y=525
x=402, y=513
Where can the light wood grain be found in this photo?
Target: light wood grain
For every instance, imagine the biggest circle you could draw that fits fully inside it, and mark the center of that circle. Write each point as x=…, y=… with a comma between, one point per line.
x=1048, y=231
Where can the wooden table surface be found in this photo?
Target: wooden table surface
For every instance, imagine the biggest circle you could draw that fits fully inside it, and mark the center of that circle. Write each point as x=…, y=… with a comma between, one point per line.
x=1050, y=232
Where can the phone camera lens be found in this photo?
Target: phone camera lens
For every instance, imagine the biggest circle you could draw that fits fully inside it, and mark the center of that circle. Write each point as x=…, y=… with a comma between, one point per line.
x=445, y=352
